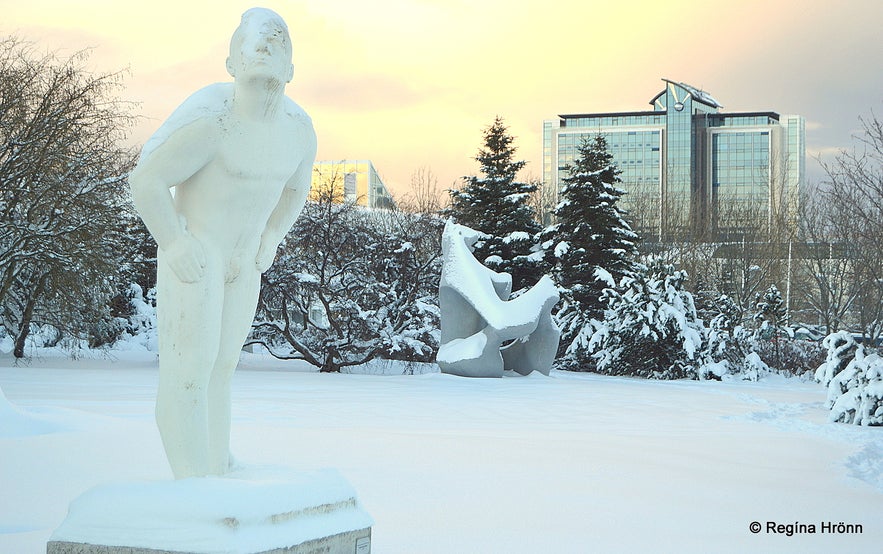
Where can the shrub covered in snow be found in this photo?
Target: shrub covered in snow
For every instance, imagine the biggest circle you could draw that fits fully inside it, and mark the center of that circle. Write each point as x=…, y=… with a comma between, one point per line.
x=789, y=356
x=650, y=328
x=735, y=351
x=841, y=347
x=727, y=343
x=752, y=367
x=860, y=389
x=140, y=324
x=351, y=285
x=854, y=378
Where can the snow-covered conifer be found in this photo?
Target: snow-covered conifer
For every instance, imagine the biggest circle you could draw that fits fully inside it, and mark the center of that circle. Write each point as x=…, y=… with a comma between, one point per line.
x=841, y=347
x=770, y=308
x=855, y=395
x=854, y=378
x=728, y=345
x=590, y=247
x=497, y=204
x=650, y=328
x=772, y=312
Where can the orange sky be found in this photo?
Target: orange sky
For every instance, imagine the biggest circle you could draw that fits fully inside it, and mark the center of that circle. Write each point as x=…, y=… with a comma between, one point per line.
x=412, y=83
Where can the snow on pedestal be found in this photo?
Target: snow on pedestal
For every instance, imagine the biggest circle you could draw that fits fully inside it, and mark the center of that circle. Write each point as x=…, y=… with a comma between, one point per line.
x=245, y=512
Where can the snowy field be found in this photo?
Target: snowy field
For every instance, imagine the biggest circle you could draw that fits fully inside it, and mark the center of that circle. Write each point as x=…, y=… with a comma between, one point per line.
x=570, y=463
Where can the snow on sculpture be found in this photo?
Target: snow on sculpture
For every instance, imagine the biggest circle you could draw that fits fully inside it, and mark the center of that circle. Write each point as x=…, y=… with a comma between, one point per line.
x=476, y=318
x=239, y=157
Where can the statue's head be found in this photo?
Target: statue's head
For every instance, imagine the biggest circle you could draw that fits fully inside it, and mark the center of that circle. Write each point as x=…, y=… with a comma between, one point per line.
x=261, y=47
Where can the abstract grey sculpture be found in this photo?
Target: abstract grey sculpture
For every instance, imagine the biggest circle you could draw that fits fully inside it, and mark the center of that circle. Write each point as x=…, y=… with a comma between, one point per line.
x=476, y=318
x=239, y=157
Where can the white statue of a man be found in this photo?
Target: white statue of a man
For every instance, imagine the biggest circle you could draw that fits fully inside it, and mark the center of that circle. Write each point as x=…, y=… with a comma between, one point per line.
x=239, y=157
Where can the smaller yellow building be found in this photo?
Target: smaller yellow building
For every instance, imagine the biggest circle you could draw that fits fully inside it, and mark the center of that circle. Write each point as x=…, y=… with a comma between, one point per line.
x=351, y=181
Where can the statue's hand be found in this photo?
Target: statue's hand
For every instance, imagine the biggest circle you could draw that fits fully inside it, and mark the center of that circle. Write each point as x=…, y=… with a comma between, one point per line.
x=187, y=259
x=265, y=257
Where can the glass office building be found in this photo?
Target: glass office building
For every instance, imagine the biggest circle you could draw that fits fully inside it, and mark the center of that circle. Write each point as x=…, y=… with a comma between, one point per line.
x=354, y=181
x=688, y=168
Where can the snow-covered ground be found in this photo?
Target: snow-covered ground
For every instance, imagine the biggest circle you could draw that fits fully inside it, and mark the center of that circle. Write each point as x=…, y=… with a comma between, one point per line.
x=567, y=463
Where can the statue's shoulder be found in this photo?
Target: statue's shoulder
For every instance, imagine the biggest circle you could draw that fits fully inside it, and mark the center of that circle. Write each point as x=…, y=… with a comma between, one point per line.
x=207, y=105
x=297, y=115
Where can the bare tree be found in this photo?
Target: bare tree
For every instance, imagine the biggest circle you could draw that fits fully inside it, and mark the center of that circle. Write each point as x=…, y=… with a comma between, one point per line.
x=424, y=195
x=855, y=197
x=642, y=210
x=62, y=189
x=739, y=256
x=785, y=200
x=328, y=183
x=543, y=200
x=824, y=274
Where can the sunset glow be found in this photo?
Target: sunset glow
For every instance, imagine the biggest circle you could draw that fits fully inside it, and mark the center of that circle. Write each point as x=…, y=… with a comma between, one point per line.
x=410, y=84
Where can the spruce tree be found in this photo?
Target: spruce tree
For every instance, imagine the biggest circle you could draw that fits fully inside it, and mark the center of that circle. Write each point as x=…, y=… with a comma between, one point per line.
x=590, y=246
x=650, y=328
x=773, y=315
x=496, y=204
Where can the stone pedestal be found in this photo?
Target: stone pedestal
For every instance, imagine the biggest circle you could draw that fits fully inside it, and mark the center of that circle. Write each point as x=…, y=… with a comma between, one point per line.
x=246, y=512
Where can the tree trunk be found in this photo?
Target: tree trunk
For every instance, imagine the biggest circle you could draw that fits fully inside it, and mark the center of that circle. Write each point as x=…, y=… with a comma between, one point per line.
x=28, y=314
x=330, y=365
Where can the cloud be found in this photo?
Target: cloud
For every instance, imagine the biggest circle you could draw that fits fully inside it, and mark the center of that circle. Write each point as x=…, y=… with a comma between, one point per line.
x=413, y=82
x=823, y=151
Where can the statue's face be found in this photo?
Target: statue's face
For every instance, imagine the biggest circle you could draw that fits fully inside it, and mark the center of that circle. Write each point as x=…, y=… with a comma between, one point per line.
x=261, y=49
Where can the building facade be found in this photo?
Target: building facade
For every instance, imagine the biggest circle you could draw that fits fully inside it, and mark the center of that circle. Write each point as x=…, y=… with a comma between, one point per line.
x=689, y=169
x=354, y=181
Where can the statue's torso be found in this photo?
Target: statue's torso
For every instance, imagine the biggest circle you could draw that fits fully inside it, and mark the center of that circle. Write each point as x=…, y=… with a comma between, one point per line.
x=228, y=202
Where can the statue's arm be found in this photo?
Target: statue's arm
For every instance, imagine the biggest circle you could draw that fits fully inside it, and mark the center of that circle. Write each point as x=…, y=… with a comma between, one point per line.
x=173, y=162
x=291, y=202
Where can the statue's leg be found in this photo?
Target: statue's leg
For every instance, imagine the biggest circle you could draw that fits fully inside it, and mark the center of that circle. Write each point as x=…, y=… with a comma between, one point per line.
x=240, y=301
x=189, y=321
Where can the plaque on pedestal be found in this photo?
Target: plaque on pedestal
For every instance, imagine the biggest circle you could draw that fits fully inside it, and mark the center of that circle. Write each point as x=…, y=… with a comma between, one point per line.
x=245, y=512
